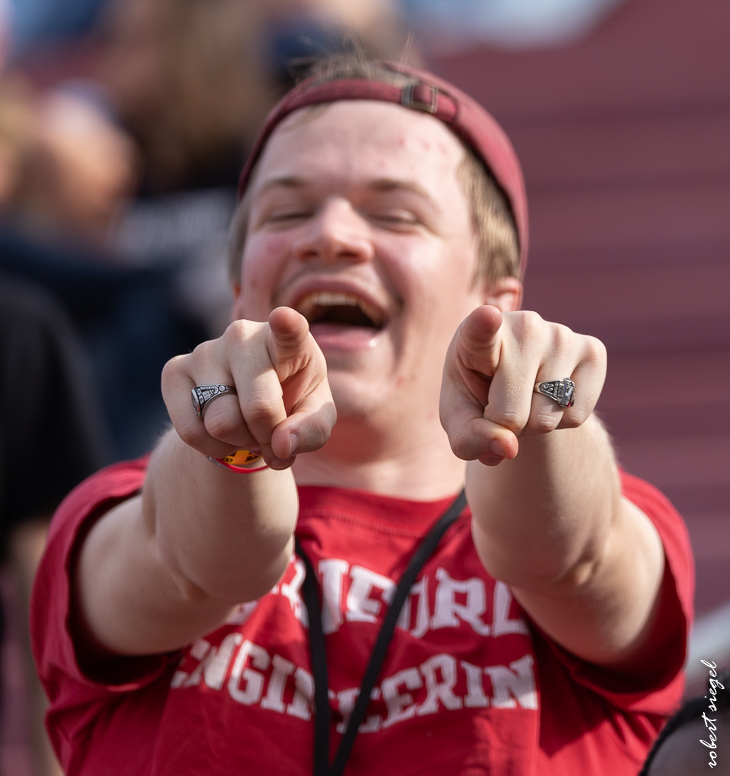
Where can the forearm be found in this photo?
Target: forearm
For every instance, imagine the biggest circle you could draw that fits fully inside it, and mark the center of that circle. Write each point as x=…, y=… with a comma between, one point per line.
x=543, y=518
x=222, y=534
x=585, y=564
x=162, y=568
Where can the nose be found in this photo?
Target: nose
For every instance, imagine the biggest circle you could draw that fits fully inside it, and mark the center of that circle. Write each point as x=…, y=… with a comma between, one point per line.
x=337, y=232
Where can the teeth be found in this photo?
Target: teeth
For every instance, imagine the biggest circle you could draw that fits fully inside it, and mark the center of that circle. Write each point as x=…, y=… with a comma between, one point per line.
x=314, y=299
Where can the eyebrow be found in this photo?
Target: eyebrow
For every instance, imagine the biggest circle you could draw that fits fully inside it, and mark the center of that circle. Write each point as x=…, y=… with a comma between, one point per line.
x=284, y=181
x=379, y=184
x=394, y=184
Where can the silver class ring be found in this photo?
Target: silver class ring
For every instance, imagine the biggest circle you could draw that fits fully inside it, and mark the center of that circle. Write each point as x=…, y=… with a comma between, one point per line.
x=560, y=391
x=203, y=395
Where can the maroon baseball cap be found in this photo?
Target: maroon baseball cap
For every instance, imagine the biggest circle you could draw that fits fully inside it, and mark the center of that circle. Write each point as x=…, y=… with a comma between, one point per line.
x=427, y=93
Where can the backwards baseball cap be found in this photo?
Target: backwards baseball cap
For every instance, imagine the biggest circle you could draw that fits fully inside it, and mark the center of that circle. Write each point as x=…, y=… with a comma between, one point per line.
x=422, y=92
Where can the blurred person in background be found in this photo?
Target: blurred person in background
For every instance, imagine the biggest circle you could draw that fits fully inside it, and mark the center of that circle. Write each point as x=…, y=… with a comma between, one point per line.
x=185, y=80
x=192, y=81
x=74, y=169
x=67, y=173
x=52, y=432
x=40, y=25
x=183, y=87
x=52, y=435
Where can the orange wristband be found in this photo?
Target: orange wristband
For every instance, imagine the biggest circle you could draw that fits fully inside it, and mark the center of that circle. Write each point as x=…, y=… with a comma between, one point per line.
x=240, y=462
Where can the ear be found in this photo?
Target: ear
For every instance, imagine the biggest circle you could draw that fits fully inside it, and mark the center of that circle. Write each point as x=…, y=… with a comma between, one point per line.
x=504, y=293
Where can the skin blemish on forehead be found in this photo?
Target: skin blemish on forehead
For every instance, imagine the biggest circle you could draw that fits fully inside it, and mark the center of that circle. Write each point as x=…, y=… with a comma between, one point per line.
x=396, y=127
x=424, y=145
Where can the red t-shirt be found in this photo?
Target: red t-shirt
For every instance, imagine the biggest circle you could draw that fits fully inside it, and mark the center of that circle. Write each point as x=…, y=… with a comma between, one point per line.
x=468, y=685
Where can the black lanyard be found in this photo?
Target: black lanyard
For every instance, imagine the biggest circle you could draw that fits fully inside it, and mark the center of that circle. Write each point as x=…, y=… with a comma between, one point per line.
x=310, y=592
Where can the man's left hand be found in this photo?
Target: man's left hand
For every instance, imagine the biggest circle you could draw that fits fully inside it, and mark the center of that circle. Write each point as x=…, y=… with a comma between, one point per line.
x=494, y=362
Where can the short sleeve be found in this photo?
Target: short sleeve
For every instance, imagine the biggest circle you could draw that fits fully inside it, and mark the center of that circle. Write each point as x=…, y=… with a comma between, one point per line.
x=75, y=698
x=661, y=693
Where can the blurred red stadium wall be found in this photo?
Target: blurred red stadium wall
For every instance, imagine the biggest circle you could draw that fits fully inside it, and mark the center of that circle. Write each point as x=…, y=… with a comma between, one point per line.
x=625, y=141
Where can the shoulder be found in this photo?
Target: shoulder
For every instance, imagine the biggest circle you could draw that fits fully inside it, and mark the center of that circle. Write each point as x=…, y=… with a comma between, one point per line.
x=77, y=700
x=50, y=603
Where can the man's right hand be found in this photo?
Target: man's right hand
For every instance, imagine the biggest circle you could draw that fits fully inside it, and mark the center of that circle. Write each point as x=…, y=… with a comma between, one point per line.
x=167, y=566
x=284, y=405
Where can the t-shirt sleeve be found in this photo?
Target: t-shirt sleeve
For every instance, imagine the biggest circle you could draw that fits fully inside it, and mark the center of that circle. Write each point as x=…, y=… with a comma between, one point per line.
x=661, y=690
x=75, y=697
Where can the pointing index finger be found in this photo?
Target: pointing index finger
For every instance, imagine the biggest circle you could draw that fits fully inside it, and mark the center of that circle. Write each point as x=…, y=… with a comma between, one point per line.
x=288, y=340
x=480, y=341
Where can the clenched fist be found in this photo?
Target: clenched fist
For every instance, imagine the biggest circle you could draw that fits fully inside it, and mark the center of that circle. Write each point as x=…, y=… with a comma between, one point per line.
x=284, y=405
x=495, y=359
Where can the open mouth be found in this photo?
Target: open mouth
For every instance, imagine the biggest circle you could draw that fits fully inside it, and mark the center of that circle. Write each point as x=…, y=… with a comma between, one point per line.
x=337, y=307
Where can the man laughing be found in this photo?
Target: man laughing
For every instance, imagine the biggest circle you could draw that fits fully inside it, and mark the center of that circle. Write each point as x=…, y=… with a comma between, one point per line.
x=292, y=584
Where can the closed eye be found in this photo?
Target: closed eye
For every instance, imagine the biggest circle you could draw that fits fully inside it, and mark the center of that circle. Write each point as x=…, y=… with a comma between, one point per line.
x=288, y=216
x=395, y=218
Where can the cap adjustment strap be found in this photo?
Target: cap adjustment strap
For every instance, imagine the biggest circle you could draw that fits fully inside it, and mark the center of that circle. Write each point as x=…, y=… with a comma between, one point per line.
x=416, y=95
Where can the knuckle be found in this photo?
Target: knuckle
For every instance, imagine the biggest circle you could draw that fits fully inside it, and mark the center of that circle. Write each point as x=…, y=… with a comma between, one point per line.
x=238, y=332
x=575, y=417
x=569, y=422
x=462, y=445
x=199, y=363
x=595, y=350
x=237, y=328
x=513, y=420
x=469, y=441
x=222, y=425
x=562, y=337
x=200, y=352
x=530, y=322
x=544, y=422
x=191, y=432
x=175, y=365
x=315, y=428
x=262, y=407
x=175, y=368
